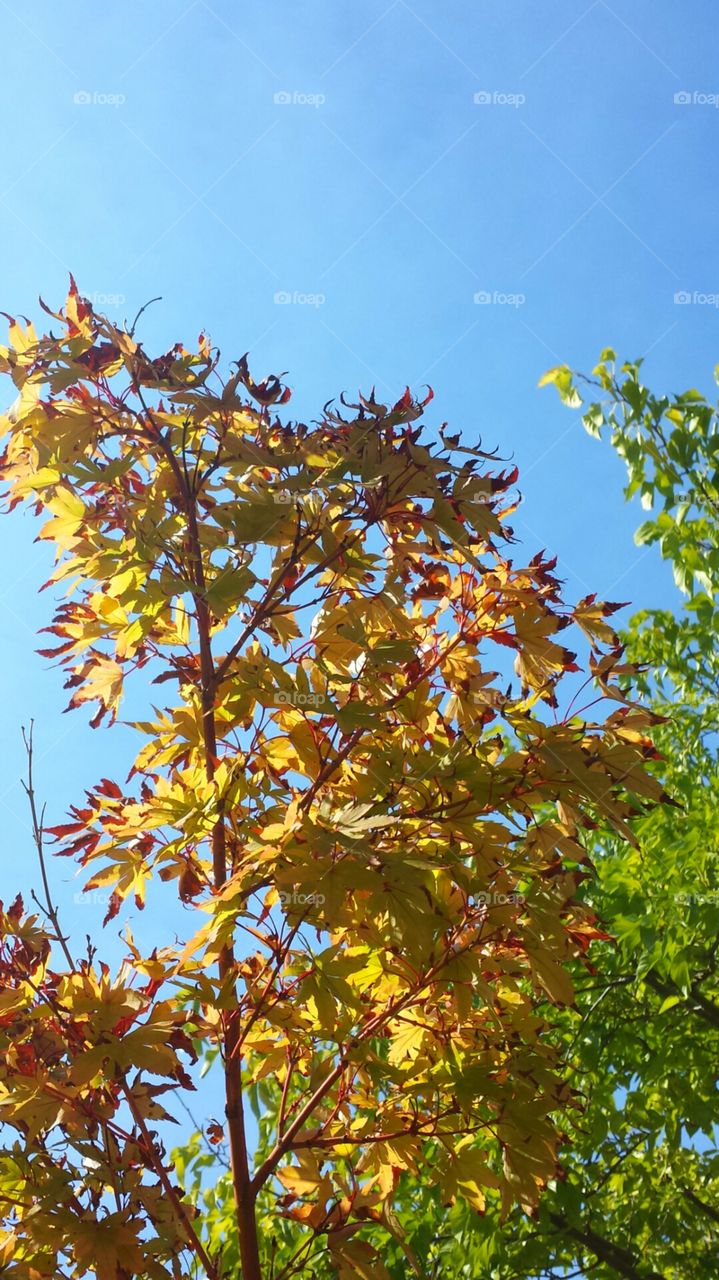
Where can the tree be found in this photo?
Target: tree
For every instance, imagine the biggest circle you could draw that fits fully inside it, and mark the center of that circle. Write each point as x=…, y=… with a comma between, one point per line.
x=638, y=1195
x=648, y=1170
x=381, y=837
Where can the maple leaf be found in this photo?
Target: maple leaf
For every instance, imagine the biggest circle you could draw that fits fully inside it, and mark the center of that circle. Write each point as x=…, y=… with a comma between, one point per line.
x=100, y=680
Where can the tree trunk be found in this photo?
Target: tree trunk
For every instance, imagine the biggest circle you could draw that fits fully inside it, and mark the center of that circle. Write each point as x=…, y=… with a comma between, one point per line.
x=234, y=1109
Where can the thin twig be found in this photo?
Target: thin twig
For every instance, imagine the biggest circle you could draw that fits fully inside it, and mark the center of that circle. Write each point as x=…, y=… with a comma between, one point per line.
x=37, y=832
x=150, y=1151
x=133, y=326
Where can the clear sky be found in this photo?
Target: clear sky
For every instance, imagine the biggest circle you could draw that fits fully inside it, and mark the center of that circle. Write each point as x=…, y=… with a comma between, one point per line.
x=379, y=164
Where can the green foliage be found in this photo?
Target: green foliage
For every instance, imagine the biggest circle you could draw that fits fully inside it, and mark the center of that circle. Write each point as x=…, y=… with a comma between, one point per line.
x=643, y=1169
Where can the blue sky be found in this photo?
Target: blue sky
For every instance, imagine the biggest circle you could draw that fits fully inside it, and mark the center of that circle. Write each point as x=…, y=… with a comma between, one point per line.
x=229, y=157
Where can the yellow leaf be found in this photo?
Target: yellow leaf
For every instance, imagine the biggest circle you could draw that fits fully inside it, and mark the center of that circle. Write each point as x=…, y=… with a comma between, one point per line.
x=356, y=1259
x=406, y=1042
x=468, y=1176
x=68, y=511
x=102, y=683
x=303, y=1179
x=555, y=980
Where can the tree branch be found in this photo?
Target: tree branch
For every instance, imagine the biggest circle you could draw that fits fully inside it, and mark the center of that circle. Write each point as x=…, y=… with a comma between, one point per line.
x=37, y=832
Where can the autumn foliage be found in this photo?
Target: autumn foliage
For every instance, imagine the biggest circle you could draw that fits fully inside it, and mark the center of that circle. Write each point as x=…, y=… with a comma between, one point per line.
x=381, y=835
